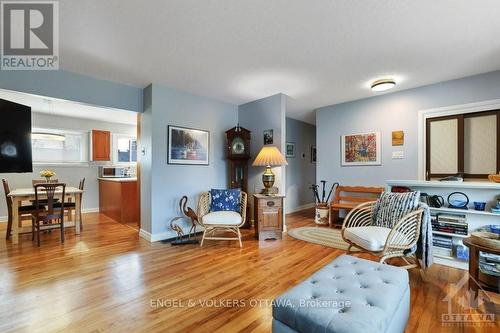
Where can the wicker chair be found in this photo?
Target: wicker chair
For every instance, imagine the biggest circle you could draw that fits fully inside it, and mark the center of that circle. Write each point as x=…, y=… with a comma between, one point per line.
x=358, y=232
x=221, y=221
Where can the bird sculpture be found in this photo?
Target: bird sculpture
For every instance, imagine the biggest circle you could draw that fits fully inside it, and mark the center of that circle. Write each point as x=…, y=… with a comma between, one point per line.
x=189, y=213
x=176, y=228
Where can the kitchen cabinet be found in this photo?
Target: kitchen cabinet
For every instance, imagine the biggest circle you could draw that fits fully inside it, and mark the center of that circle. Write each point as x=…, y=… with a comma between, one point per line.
x=101, y=145
x=119, y=199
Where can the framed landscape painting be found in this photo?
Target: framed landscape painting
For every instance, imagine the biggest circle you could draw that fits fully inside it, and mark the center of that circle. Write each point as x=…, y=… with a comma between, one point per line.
x=188, y=146
x=361, y=149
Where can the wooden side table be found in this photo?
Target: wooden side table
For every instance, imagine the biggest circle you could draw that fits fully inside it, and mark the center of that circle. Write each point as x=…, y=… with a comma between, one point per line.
x=474, y=249
x=268, y=216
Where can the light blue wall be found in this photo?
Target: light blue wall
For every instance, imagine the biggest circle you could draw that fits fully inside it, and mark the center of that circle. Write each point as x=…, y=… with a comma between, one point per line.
x=257, y=116
x=300, y=172
x=168, y=183
x=387, y=113
x=73, y=87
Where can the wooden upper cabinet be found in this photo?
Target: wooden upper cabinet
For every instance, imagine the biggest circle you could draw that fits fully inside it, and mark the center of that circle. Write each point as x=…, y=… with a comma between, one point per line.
x=101, y=145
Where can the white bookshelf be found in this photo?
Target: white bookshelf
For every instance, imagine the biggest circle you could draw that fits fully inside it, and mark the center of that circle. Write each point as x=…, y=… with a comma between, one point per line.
x=476, y=191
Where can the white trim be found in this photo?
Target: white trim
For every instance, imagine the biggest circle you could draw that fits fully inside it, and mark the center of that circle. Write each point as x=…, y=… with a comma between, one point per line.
x=155, y=237
x=90, y=210
x=446, y=111
x=145, y=235
x=486, y=185
x=63, y=164
x=301, y=207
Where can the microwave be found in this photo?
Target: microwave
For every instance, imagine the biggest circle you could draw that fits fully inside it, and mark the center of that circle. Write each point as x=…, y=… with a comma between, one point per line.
x=111, y=172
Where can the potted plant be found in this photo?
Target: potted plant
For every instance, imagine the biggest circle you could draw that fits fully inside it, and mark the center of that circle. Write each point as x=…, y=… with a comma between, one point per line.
x=47, y=174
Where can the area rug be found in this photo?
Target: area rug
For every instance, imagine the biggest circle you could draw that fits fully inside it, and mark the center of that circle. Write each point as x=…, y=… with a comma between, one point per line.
x=322, y=236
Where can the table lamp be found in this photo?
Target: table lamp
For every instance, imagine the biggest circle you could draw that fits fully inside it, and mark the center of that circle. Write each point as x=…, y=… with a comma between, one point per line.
x=269, y=156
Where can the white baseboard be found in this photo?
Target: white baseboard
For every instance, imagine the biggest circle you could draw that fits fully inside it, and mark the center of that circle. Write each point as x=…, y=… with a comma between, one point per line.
x=145, y=235
x=90, y=210
x=3, y=219
x=301, y=207
x=155, y=237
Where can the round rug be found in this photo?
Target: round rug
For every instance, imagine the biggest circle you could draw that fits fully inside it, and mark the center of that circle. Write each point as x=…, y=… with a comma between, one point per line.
x=323, y=236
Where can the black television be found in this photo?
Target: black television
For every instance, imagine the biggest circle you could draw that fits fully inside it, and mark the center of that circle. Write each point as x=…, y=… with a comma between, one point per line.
x=15, y=137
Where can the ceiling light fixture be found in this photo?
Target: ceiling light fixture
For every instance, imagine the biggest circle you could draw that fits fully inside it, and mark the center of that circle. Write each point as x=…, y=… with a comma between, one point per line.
x=47, y=136
x=383, y=85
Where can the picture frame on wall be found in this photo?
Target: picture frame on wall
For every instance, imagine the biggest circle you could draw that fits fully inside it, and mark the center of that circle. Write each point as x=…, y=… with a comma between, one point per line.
x=313, y=154
x=361, y=149
x=188, y=146
x=290, y=149
x=268, y=137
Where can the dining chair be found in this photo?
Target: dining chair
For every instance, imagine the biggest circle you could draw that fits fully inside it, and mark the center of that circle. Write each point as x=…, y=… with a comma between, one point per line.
x=52, y=215
x=23, y=210
x=43, y=181
x=71, y=206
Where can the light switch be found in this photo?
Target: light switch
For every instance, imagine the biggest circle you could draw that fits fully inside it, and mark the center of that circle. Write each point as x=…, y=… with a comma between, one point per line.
x=398, y=155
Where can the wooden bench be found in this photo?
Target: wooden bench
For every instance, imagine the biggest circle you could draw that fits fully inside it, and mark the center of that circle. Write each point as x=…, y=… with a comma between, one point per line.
x=348, y=197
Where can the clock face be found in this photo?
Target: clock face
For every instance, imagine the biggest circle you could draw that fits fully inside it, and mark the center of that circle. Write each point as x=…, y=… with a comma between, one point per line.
x=238, y=146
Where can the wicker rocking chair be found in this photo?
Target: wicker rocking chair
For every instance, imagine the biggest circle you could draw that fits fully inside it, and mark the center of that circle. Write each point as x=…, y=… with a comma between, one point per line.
x=358, y=232
x=214, y=222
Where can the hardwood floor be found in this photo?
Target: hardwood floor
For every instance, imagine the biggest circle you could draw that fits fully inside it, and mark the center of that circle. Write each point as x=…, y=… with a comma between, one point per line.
x=109, y=280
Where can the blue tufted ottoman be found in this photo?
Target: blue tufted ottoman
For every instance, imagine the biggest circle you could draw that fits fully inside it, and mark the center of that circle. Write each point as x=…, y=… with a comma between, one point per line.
x=349, y=295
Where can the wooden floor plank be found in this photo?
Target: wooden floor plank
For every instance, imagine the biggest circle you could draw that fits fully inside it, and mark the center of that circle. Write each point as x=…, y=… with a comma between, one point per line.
x=105, y=279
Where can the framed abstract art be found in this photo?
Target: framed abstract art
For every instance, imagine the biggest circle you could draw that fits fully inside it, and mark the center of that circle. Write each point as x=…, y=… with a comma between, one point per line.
x=361, y=149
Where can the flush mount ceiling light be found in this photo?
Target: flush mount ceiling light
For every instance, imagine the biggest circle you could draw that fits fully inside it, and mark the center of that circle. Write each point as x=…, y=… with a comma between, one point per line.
x=47, y=136
x=383, y=85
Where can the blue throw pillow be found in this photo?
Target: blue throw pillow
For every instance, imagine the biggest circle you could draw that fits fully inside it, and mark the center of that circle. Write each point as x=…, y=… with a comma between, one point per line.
x=228, y=200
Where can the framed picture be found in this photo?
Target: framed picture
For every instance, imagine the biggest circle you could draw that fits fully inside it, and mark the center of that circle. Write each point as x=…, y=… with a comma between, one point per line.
x=188, y=146
x=398, y=138
x=268, y=137
x=290, y=149
x=313, y=154
x=361, y=149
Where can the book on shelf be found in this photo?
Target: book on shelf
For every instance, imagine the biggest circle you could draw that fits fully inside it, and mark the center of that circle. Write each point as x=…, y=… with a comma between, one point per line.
x=449, y=220
x=453, y=224
x=450, y=231
x=442, y=251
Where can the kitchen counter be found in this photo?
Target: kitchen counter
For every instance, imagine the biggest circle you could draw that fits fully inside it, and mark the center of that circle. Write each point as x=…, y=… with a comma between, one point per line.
x=119, y=199
x=119, y=179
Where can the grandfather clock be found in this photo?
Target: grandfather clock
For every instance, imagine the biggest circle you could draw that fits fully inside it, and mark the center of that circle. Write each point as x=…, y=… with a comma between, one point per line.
x=238, y=154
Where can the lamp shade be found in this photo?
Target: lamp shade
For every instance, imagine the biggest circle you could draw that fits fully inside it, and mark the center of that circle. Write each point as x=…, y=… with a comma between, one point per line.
x=269, y=156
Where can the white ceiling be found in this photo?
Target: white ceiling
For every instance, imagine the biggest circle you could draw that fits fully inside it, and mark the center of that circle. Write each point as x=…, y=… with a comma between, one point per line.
x=59, y=107
x=318, y=52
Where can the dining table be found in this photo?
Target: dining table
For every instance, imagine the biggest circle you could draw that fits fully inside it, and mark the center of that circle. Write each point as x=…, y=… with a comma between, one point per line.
x=28, y=194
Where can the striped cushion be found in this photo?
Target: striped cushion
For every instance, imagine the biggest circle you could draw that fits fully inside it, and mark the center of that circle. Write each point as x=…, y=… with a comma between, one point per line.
x=392, y=207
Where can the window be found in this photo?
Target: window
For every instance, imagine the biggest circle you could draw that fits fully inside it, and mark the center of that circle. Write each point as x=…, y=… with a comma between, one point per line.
x=125, y=150
x=72, y=150
x=465, y=144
